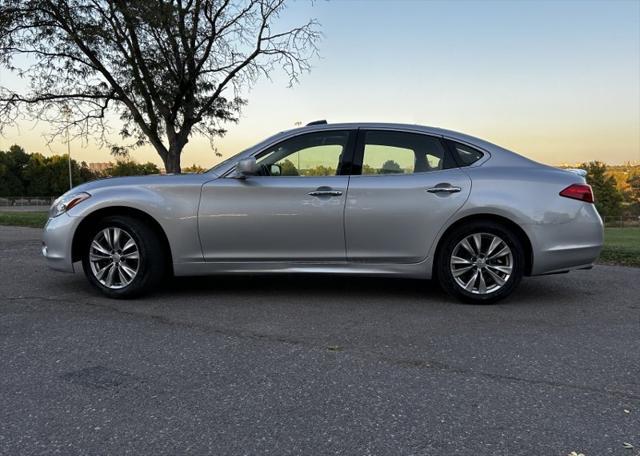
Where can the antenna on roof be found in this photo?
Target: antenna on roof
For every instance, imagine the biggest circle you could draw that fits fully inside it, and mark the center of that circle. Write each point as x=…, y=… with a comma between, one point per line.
x=317, y=122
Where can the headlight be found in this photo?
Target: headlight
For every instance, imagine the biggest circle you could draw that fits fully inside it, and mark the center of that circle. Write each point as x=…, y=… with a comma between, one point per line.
x=66, y=202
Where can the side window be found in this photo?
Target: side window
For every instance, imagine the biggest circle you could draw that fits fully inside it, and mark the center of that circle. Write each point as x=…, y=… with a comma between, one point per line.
x=392, y=152
x=466, y=155
x=311, y=154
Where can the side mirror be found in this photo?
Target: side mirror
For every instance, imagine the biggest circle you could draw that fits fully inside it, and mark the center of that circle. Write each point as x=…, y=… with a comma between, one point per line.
x=247, y=167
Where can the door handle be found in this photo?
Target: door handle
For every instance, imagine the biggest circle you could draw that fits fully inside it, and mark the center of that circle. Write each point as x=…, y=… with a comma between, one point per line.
x=325, y=193
x=444, y=189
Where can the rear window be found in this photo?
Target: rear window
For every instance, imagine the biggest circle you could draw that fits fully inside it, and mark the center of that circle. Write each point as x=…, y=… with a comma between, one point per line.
x=466, y=155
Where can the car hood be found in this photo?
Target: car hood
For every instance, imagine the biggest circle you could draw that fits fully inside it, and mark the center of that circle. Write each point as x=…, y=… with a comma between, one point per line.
x=154, y=180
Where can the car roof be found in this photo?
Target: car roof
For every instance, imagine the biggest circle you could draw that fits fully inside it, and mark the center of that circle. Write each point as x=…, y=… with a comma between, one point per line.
x=387, y=126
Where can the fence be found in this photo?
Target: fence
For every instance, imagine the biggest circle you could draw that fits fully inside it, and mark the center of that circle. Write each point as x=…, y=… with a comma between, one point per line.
x=621, y=221
x=18, y=201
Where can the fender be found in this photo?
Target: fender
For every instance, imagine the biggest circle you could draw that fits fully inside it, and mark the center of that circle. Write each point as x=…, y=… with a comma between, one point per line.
x=174, y=208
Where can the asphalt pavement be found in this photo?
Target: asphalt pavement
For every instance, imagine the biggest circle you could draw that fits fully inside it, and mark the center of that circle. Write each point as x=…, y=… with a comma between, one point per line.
x=307, y=365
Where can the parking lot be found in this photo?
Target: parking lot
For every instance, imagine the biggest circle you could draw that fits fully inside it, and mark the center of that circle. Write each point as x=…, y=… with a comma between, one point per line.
x=315, y=365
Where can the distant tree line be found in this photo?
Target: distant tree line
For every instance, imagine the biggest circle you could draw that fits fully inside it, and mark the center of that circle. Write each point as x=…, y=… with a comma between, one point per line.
x=25, y=174
x=287, y=168
x=616, y=193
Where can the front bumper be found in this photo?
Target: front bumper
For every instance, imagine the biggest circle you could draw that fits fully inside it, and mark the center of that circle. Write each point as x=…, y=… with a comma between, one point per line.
x=57, y=242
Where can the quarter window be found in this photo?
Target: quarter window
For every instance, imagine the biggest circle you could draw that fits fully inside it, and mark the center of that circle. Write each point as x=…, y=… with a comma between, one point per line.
x=390, y=152
x=311, y=154
x=466, y=155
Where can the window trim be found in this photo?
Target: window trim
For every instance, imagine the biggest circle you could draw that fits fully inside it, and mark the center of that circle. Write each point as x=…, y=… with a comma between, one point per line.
x=358, y=156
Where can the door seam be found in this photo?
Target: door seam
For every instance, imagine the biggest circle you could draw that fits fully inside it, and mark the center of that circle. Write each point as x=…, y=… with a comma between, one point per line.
x=344, y=219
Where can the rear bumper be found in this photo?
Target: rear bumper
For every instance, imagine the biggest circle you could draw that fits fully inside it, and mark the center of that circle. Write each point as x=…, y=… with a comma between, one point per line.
x=566, y=260
x=57, y=242
x=573, y=244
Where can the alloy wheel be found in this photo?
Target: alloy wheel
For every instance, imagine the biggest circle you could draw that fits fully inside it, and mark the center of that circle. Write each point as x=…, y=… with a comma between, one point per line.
x=481, y=263
x=114, y=257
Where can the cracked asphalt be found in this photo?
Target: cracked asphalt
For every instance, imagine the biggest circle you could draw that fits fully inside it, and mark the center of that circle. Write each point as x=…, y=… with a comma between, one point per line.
x=315, y=365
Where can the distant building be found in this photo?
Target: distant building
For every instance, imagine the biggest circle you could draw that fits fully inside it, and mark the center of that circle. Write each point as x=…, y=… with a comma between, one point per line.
x=99, y=167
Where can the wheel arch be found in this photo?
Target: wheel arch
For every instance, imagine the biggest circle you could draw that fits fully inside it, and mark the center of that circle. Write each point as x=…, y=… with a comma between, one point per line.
x=517, y=229
x=84, y=228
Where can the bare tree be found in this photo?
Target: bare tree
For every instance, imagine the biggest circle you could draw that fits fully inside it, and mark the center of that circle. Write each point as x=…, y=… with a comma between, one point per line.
x=161, y=70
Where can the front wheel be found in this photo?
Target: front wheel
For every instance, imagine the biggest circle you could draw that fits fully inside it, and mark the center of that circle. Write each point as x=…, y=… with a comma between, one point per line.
x=123, y=257
x=481, y=262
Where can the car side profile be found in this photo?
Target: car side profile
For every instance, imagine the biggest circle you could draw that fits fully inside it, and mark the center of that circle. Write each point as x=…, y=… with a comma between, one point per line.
x=358, y=198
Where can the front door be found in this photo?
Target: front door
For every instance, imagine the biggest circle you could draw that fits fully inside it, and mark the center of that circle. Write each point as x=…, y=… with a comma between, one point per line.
x=292, y=211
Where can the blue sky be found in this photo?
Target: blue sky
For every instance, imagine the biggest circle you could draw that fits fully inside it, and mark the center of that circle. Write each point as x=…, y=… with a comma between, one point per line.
x=558, y=81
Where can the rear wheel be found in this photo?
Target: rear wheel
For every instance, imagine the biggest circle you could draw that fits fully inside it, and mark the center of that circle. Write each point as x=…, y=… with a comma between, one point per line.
x=123, y=257
x=481, y=262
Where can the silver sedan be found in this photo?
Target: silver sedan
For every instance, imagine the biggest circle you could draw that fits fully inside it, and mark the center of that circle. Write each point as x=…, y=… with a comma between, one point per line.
x=369, y=199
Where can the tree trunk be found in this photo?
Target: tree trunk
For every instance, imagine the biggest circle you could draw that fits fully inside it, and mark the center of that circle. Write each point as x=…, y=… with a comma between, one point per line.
x=172, y=162
x=177, y=141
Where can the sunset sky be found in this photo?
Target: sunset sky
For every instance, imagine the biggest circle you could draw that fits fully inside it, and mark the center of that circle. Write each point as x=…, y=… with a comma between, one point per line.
x=556, y=81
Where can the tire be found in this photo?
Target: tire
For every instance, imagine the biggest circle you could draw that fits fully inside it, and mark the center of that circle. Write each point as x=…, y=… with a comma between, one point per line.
x=97, y=262
x=500, y=275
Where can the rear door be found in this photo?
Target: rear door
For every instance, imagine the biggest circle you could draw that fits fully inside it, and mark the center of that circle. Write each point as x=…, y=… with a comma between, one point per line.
x=405, y=187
